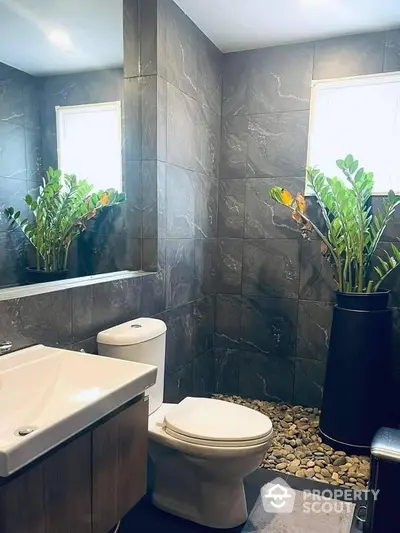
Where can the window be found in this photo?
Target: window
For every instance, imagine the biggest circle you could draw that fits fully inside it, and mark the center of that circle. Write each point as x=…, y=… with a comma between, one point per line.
x=89, y=143
x=360, y=116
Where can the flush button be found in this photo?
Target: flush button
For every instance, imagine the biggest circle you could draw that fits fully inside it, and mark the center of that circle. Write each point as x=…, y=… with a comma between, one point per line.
x=136, y=326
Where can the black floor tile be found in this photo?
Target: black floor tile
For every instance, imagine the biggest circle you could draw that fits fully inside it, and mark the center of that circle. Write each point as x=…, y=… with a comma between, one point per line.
x=145, y=518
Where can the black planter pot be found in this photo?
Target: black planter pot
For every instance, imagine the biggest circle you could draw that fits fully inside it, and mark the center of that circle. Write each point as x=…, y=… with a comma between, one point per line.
x=41, y=276
x=354, y=404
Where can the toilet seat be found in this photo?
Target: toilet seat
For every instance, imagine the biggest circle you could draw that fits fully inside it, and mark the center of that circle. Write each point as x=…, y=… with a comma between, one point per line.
x=216, y=423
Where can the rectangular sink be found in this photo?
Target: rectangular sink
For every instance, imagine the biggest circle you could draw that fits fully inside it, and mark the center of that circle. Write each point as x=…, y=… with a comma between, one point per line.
x=56, y=394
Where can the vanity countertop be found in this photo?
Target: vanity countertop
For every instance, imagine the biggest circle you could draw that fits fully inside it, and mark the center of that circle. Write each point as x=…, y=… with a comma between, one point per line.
x=48, y=395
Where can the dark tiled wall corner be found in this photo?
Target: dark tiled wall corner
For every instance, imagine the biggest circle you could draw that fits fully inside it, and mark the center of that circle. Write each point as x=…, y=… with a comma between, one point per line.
x=176, y=206
x=189, y=112
x=274, y=291
x=20, y=164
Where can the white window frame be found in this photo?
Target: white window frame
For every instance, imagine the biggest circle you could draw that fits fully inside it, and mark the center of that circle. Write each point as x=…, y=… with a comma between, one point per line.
x=115, y=106
x=353, y=81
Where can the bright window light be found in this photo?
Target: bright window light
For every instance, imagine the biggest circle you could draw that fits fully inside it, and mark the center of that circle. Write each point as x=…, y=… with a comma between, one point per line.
x=89, y=143
x=358, y=116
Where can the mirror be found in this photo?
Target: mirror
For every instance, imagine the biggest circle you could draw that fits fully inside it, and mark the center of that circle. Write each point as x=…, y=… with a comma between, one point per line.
x=61, y=94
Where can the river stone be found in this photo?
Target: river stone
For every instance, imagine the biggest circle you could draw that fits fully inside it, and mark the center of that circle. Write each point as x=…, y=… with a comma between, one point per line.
x=296, y=438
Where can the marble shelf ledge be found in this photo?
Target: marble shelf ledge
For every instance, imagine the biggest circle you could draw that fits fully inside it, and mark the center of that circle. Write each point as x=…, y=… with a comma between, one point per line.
x=24, y=291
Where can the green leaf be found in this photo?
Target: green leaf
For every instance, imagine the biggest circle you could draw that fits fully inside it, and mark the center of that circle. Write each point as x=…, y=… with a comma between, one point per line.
x=28, y=199
x=341, y=164
x=384, y=264
x=353, y=167
x=348, y=161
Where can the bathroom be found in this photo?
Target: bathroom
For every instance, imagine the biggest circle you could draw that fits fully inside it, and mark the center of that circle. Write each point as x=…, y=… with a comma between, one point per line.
x=213, y=115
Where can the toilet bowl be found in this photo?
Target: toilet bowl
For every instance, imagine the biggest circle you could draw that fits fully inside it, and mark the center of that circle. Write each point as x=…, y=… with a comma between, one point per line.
x=202, y=448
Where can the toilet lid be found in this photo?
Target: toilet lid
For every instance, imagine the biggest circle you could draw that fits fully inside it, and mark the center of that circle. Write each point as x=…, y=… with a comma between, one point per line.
x=217, y=423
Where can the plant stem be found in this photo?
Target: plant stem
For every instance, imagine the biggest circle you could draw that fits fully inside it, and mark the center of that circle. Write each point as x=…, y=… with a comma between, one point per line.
x=66, y=252
x=327, y=244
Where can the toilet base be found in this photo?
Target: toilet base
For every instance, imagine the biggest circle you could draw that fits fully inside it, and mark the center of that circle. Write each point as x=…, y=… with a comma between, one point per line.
x=217, y=506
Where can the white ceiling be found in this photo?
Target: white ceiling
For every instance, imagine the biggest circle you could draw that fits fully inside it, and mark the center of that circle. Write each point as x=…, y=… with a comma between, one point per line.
x=245, y=24
x=93, y=26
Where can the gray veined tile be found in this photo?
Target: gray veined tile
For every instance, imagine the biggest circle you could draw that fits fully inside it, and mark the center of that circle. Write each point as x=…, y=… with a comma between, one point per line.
x=209, y=75
x=40, y=319
x=227, y=320
x=353, y=55
x=179, y=385
x=180, y=340
x=231, y=204
x=12, y=194
x=206, y=205
x=309, y=382
x=269, y=325
x=149, y=116
x=12, y=151
x=204, y=321
x=205, y=272
x=18, y=97
x=236, y=71
x=266, y=377
x=204, y=374
x=148, y=38
x=271, y=267
x=277, y=144
x=148, y=203
x=182, y=134
x=208, y=141
x=234, y=147
x=314, y=325
x=131, y=121
x=316, y=274
x=265, y=218
x=226, y=370
x=180, y=271
x=181, y=50
x=280, y=79
x=131, y=39
x=181, y=202
x=13, y=257
x=229, y=265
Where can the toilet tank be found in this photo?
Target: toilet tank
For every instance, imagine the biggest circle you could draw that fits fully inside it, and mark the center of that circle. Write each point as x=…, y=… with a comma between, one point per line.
x=143, y=341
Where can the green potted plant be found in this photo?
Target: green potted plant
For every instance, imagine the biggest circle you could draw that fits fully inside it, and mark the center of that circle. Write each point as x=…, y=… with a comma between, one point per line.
x=358, y=366
x=58, y=215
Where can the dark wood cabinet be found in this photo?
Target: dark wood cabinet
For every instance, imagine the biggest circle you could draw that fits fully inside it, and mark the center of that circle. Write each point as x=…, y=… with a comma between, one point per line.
x=119, y=465
x=86, y=485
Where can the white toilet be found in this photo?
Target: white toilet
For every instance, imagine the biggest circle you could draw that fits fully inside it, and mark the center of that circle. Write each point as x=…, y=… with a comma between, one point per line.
x=201, y=448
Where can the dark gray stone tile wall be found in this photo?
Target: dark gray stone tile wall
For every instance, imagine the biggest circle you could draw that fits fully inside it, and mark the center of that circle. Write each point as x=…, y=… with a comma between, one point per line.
x=275, y=291
x=188, y=68
x=177, y=206
x=20, y=163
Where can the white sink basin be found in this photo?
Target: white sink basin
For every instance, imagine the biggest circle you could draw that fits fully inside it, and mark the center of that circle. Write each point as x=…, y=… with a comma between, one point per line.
x=58, y=393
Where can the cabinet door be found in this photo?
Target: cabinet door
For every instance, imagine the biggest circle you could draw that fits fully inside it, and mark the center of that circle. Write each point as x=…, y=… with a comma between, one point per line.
x=51, y=496
x=22, y=505
x=119, y=465
x=67, y=488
